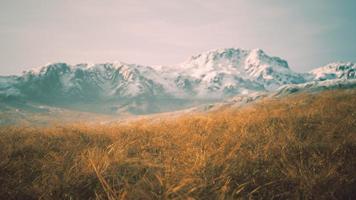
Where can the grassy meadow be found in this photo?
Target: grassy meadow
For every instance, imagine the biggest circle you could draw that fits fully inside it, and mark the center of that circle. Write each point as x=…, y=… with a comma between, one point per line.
x=298, y=147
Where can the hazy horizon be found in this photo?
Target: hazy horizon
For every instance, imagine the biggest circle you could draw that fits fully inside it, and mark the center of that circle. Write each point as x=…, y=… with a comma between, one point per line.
x=306, y=34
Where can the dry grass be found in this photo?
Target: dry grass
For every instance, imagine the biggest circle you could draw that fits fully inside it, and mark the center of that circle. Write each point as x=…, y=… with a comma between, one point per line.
x=302, y=147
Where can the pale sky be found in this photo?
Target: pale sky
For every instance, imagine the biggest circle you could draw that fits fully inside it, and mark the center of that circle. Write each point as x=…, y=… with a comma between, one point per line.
x=307, y=33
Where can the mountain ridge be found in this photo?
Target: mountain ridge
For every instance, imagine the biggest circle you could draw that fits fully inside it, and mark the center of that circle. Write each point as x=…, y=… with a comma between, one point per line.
x=213, y=76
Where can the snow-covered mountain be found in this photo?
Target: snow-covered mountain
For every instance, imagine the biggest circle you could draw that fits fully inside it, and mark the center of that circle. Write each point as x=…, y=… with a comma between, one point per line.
x=229, y=65
x=120, y=87
x=90, y=82
x=335, y=70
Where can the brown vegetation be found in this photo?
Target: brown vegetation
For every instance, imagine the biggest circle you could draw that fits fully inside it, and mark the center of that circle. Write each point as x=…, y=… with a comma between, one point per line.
x=300, y=147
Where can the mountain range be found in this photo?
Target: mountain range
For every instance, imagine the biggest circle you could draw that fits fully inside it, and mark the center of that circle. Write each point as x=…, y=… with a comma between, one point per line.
x=121, y=88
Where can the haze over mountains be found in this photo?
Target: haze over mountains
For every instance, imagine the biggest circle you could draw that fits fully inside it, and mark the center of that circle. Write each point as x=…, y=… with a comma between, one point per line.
x=120, y=88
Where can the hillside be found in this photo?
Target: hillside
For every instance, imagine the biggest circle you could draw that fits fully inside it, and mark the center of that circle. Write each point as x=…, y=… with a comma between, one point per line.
x=301, y=146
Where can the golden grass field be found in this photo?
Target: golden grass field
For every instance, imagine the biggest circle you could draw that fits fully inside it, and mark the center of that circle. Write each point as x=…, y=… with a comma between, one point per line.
x=298, y=147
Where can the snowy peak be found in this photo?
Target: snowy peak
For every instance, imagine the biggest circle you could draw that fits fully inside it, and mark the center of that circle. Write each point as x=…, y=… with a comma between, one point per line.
x=253, y=65
x=234, y=58
x=272, y=71
x=49, y=68
x=336, y=70
x=258, y=64
x=90, y=81
x=218, y=56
